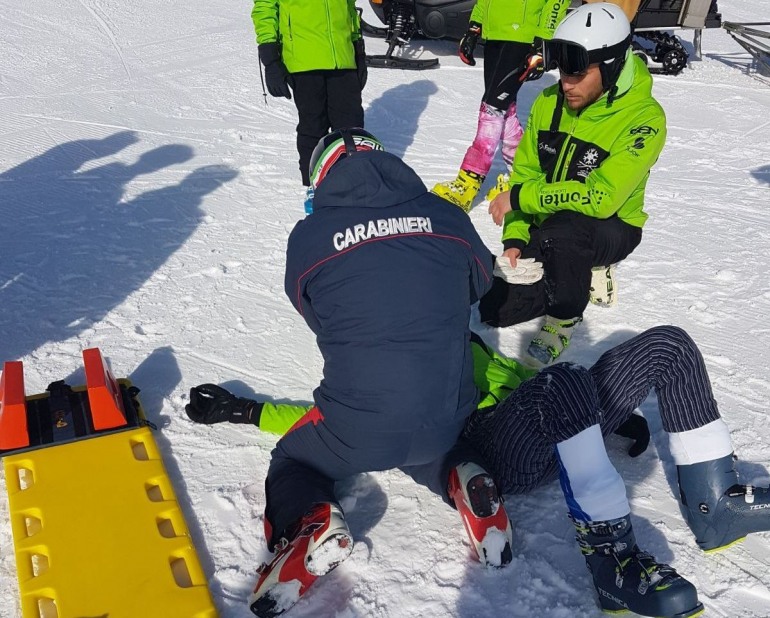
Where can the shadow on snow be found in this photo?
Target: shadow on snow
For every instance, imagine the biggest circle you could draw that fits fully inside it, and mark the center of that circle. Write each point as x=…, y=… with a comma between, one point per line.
x=73, y=250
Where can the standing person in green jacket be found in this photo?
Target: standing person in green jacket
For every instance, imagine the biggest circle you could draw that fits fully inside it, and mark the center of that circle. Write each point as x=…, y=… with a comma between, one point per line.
x=514, y=31
x=575, y=201
x=316, y=50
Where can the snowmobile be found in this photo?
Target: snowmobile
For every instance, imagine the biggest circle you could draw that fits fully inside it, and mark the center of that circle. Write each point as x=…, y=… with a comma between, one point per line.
x=448, y=19
x=404, y=19
x=662, y=51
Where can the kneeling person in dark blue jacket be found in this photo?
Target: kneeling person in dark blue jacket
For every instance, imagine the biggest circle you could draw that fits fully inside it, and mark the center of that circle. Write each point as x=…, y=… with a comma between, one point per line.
x=384, y=273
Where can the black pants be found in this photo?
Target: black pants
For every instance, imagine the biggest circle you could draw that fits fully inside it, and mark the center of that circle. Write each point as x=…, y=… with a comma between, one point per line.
x=325, y=100
x=518, y=438
x=503, y=65
x=568, y=244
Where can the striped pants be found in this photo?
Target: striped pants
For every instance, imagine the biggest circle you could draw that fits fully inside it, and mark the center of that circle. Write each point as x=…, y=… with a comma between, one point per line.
x=518, y=437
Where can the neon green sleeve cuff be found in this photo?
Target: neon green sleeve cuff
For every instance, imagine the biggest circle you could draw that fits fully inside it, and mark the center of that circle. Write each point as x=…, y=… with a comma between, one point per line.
x=278, y=418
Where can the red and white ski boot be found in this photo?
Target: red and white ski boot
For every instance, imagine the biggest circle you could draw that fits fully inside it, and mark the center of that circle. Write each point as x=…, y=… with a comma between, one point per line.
x=480, y=505
x=322, y=542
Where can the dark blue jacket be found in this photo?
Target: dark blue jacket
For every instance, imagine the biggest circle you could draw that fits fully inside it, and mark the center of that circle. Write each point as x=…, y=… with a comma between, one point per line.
x=385, y=273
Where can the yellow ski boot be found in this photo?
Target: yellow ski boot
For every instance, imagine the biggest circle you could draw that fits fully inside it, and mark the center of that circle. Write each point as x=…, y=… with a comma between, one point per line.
x=503, y=184
x=461, y=190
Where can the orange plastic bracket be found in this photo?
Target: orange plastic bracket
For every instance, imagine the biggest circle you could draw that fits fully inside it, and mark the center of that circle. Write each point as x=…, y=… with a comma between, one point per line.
x=103, y=392
x=13, y=410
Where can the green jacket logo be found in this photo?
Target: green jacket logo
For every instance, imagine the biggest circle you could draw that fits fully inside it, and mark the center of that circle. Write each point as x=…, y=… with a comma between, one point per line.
x=553, y=199
x=588, y=162
x=554, y=17
x=643, y=130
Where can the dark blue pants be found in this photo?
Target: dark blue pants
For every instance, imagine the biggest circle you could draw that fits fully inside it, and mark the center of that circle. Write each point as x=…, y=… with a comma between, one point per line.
x=518, y=438
x=308, y=461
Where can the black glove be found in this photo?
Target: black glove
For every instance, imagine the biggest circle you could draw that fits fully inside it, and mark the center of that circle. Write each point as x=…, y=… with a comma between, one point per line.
x=635, y=428
x=361, y=61
x=534, y=66
x=468, y=43
x=211, y=404
x=276, y=75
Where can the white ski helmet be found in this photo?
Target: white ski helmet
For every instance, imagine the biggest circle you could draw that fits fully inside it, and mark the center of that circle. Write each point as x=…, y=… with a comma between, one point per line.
x=596, y=33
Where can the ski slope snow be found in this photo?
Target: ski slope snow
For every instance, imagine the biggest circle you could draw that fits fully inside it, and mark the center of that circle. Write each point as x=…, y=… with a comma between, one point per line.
x=147, y=190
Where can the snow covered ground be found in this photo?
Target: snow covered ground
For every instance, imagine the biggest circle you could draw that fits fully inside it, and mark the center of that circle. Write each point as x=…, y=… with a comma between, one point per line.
x=146, y=195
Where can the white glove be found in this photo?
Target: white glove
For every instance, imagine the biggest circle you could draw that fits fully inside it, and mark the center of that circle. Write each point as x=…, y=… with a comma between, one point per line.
x=527, y=270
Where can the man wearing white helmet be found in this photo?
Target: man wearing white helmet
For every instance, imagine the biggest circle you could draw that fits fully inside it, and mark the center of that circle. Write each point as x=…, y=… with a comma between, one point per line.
x=575, y=200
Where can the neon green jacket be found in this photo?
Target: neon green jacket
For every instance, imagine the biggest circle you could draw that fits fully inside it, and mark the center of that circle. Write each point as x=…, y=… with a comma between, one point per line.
x=518, y=20
x=596, y=161
x=495, y=376
x=313, y=35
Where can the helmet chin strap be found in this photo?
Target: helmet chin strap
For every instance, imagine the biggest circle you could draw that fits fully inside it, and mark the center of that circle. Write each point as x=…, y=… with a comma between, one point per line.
x=350, y=143
x=608, y=83
x=610, y=71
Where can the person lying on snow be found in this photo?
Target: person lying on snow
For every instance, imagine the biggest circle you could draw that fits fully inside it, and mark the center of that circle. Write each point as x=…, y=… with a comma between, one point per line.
x=534, y=427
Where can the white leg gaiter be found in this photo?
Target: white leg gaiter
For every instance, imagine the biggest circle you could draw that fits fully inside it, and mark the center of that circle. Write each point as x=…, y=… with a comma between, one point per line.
x=592, y=487
x=706, y=443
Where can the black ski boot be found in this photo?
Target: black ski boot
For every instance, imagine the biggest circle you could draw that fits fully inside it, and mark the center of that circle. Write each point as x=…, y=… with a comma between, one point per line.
x=719, y=510
x=629, y=579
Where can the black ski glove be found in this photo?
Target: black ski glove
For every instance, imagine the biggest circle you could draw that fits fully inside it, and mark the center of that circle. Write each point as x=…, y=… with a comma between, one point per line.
x=276, y=75
x=534, y=67
x=468, y=43
x=635, y=428
x=363, y=73
x=211, y=404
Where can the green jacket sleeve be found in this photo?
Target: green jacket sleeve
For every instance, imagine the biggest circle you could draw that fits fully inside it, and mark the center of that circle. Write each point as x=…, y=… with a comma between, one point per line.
x=478, y=12
x=553, y=13
x=313, y=35
x=265, y=18
x=496, y=375
x=526, y=167
x=516, y=229
x=355, y=19
x=606, y=188
x=278, y=418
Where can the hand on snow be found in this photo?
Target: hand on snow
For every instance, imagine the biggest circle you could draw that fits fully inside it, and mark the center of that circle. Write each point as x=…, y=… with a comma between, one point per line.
x=526, y=272
x=211, y=404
